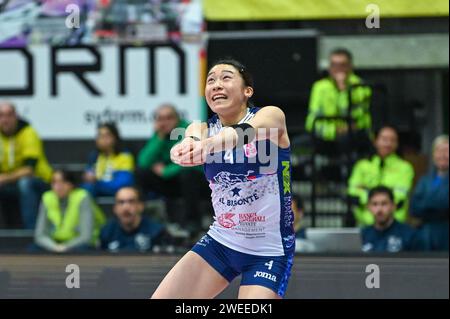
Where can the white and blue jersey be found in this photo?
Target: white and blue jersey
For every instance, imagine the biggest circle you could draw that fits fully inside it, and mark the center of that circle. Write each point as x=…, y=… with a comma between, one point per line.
x=251, y=196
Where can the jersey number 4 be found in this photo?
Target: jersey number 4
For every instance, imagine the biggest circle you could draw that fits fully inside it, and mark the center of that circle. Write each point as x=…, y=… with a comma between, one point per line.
x=228, y=157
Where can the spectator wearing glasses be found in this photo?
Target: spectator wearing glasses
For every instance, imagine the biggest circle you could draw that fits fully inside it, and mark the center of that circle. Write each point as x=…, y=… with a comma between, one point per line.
x=158, y=175
x=330, y=98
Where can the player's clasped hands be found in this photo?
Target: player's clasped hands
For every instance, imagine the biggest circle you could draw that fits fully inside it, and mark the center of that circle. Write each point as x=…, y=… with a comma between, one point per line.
x=188, y=153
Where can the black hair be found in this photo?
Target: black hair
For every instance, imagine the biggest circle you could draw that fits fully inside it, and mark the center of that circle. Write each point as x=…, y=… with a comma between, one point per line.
x=136, y=190
x=381, y=190
x=112, y=128
x=342, y=51
x=378, y=131
x=243, y=71
x=67, y=176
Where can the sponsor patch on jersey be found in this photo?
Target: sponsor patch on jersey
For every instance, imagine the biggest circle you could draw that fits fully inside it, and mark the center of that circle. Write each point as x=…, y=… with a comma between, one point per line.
x=226, y=220
x=250, y=150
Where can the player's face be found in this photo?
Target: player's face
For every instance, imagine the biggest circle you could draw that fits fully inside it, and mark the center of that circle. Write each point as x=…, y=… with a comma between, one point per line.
x=440, y=156
x=382, y=208
x=386, y=142
x=225, y=90
x=127, y=207
x=60, y=186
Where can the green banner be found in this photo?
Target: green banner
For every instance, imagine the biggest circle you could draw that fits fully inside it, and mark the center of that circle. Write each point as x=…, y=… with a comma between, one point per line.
x=245, y=10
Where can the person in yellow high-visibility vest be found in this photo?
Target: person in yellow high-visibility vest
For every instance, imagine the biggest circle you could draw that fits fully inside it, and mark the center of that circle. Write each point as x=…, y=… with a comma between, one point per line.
x=68, y=218
x=385, y=168
x=330, y=98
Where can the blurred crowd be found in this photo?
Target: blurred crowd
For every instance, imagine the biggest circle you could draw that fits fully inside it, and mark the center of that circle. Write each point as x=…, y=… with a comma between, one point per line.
x=394, y=212
x=395, y=209
x=61, y=205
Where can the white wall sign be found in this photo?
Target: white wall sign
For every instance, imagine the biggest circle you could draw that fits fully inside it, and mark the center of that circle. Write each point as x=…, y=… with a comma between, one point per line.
x=66, y=91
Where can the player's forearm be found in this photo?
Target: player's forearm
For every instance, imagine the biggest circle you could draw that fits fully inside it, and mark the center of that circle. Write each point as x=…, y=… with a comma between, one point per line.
x=223, y=141
x=197, y=130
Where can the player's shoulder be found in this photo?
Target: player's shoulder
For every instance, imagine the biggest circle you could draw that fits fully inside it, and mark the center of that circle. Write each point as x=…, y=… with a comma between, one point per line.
x=274, y=108
x=269, y=109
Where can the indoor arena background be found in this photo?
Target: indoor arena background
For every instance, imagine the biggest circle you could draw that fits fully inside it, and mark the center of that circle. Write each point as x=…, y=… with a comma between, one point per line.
x=68, y=66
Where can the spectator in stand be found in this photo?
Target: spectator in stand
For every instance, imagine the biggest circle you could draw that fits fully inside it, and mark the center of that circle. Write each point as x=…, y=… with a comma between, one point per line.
x=298, y=210
x=302, y=244
x=24, y=169
x=387, y=234
x=385, y=168
x=130, y=230
x=69, y=220
x=429, y=201
x=330, y=97
x=156, y=173
x=110, y=167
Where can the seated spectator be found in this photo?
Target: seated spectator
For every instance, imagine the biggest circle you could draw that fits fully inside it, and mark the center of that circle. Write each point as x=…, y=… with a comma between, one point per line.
x=387, y=234
x=130, y=231
x=330, y=97
x=298, y=210
x=158, y=174
x=24, y=169
x=429, y=201
x=385, y=168
x=302, y=244
x=69, y=220
x=410, y=151
x=110, y=167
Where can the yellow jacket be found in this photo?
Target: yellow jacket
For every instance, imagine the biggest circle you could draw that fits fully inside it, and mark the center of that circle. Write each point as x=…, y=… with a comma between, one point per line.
x=24, y=148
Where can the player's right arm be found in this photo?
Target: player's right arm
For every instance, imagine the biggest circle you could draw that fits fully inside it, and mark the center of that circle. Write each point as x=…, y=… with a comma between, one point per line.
x=195, y=133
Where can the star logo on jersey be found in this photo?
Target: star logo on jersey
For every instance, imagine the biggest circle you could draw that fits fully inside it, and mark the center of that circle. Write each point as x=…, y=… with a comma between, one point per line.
x=235, y=191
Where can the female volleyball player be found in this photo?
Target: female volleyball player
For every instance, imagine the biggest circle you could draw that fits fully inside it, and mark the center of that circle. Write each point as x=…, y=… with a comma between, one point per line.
x=252, y=234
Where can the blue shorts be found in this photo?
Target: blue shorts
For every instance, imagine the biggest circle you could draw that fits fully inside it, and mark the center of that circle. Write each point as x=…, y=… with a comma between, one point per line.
x=269, y=272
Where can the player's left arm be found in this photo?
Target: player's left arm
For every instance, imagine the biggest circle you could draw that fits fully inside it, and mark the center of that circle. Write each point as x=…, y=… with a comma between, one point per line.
x=270, y=123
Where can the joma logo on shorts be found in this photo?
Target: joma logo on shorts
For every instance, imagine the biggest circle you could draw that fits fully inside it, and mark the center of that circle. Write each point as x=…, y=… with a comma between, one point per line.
x=266, y=276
